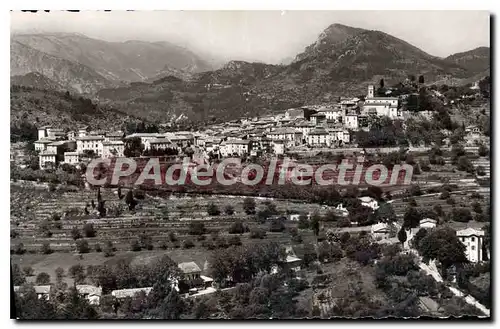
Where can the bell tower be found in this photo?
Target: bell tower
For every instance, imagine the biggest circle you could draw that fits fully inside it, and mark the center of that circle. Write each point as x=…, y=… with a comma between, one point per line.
x=370, y=91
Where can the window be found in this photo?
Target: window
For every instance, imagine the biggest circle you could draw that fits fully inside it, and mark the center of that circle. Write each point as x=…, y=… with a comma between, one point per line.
x=473, y=248
x=473, y=239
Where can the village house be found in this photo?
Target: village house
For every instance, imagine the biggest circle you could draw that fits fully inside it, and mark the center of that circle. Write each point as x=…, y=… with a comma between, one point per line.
x=291, y=135
x=351, y=120
x=182, y=140
x=47, y=160
x=279, y=147
x=339, y=135
x=113, y=136
x=130, y=293
x=333, y=113
x=238, y=147
x=190, y=276
x=305, y=127
x=83, y=131
x=319, y=137
x=90, y=143
x=144, y=137
x=113, y=149
x=380, y=231
x=90, y=293
x=473, y=241
x=41, y=291
x=382, y=106
x=368, y=201
x=59, y=147
x=427, y=223
x=71, y=158
x=71, y=135
x=158, y=143
x=41, y=144
x=318, y=118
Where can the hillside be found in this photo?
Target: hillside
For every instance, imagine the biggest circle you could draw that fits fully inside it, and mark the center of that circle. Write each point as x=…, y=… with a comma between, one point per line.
x=35, y=80
x=475, y=60
x=42, y=107
x=116, y=61
x=73, y=76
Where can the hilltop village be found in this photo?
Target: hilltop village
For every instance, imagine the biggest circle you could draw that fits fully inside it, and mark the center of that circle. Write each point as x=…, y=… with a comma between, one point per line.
x=121, y=252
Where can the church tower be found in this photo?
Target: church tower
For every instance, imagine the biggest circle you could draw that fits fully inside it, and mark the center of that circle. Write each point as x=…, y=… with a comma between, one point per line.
x=370, y=91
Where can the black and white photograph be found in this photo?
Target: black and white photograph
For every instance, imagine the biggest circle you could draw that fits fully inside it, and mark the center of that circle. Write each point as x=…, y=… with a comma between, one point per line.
x=250, y=164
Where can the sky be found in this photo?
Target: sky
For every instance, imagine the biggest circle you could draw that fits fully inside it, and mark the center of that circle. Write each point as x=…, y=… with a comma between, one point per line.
x=264, y=36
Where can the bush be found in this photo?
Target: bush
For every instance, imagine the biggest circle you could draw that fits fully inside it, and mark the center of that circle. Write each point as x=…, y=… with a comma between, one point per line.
x=304, y=223
x=59, y=273
x=109, y=249
x=135, y=245
x=257, y=233
x=213, y=210
x=77, y=272
x=450, y=201
x=461, y=215
x=88, y=230
x=46, y=248
x=277, y=225
x=229, y=210
x=172, y=237
x=97, y=247
x=43, y=278
x=56, y=217
x=483, y=150
x=444, y=195
x=476, y=207
x=237, y=228
x=344, y=222
x=424, y=165
x=82, y=246
x=19, y=250
x=75, y=233
x=234, y=241
x=249, y=206
x=187, y=244
x=163, y=245
x=197, y=228
x=28, y=271
x=480, y=171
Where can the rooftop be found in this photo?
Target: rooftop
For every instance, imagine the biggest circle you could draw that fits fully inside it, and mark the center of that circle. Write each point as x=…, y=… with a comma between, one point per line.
x=89, y=289
x=189, y=267
x=470, y=232
x=122, y=293
x=91, y=138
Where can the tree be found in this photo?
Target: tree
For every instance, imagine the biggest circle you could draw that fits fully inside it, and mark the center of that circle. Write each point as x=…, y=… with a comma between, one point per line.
x=464, y=164
x=109, y=249
x=46, y=248
x=442, y=244
x=75, y=233
x=421, y=79
x=19, y=249
x=213, y=210
x=88, y=230
x=135, y=245
x=43, y=278
x=82, y=246
x=77, y=272
x=187, y=244
x=315, y=218
x=412, y=218
x=461, y=215
x=476, y=207
x=229, y=210
x=17, y=275
x=130, y=201
x=382, y=83
x=402, y=236
x=59, y=274
x=249, y=206
x=28, y=271
x=237, y=228
x=304, y=223
x=197, y=228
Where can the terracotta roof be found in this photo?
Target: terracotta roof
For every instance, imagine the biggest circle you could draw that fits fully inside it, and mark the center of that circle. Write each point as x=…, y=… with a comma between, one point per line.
x=189, y=267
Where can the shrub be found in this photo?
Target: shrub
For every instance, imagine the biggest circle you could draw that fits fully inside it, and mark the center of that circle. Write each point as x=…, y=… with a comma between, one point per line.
x=229, y=210
x=28, y=271
x=277, y=225
x=135, y=245
x=88, y=230
x=197, y=228
x=450, y=201
x=75, y=233
x=97, y=247
x=82, y=246
x=19, y=250
x=444, y=195
x=46, y=248
x=213, y=210
x=109, y=249
x=257, y=233
x=59, y=273
x=480, y=171
x=187, y=244
x=461, y=215
x=43, y=278
x=234, y=241
x=172, y=237
x=163, y=245
x=249, y=206
x=476, y=207
x=56, y=217
x=304, y=223
x=344, y=222
x=424, y=165
x=237, y=228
